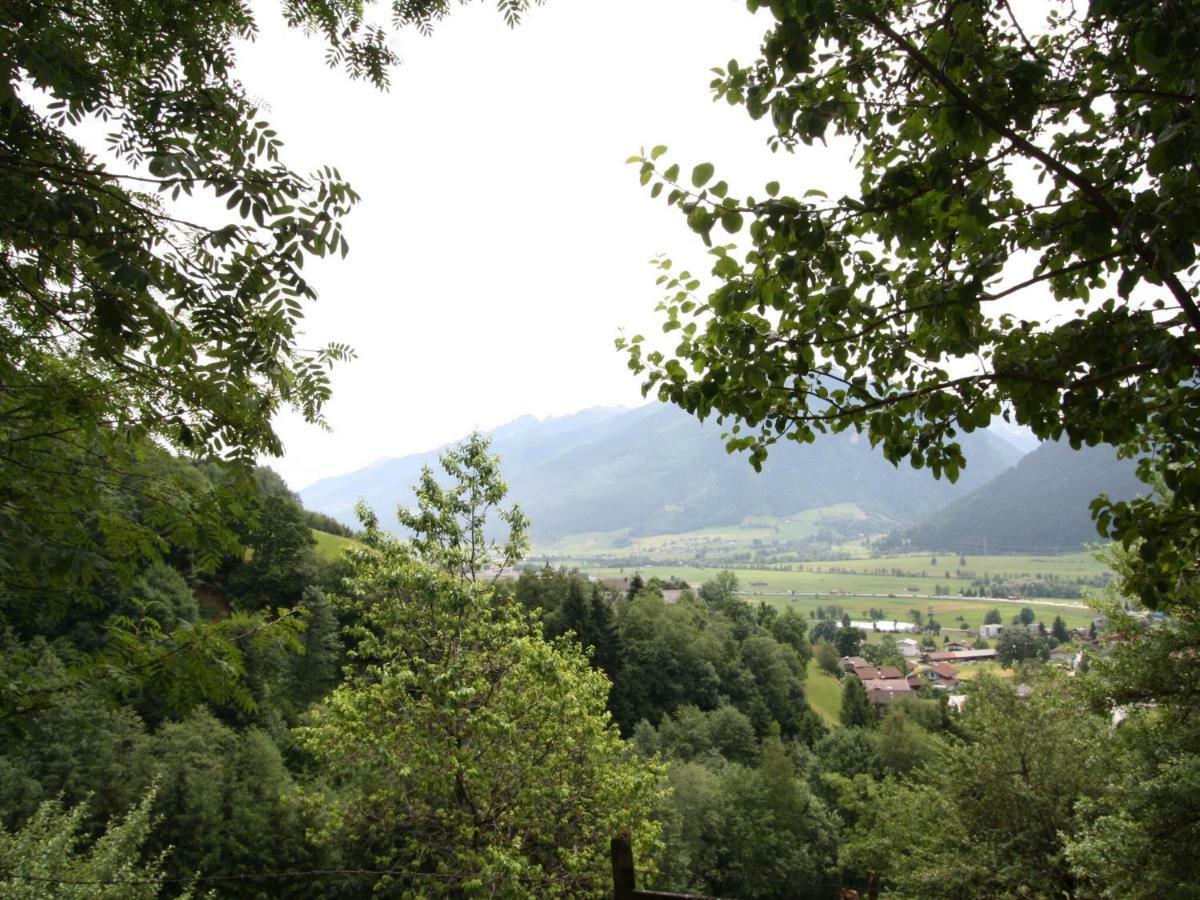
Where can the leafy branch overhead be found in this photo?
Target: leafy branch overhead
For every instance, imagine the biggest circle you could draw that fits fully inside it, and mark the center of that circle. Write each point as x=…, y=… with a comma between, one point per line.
x=187, y=329
x=1022, y=241
x=153, y=288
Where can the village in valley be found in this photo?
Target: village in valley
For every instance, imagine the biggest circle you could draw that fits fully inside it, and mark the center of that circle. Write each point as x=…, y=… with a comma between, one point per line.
x=898, y=660
x=941, y=670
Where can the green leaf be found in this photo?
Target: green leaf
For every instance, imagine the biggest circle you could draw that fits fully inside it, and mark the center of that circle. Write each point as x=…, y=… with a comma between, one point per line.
x=701, y=174
x=731, y=221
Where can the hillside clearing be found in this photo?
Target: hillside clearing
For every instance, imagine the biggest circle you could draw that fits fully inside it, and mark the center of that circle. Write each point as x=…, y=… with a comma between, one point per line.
x=330, y=546
x=824, y=694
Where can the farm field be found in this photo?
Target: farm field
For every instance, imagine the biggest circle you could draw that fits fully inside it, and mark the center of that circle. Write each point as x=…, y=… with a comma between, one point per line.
x=896, y=573
x=949, y=565
x=801, y=526
x=808, y=589
x=945, y=609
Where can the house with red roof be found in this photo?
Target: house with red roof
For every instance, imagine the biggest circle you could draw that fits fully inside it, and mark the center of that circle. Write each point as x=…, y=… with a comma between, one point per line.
x=942, y=676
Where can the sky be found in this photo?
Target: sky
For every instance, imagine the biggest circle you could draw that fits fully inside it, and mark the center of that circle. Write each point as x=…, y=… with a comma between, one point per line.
x=502, y=242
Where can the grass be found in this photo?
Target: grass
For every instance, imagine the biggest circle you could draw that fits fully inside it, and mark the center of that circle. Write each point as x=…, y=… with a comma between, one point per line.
x=946, y=610
x=900, y=575
x=854, y=554
x=330, y=546
x=946, y=566
x=824, y=694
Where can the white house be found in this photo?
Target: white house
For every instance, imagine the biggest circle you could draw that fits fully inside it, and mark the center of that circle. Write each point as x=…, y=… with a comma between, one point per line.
x=990, y=631
x=909, y=647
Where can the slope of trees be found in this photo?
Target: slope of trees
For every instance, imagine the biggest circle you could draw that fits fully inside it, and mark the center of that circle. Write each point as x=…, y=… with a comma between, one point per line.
x=416, y=733
x=1038, y=506
x=708, y=653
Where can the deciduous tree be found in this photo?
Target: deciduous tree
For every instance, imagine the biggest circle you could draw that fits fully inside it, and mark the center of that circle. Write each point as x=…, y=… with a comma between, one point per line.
x=50, y=856
x=1022, y=244
x=468, y=754
x=1018, y=644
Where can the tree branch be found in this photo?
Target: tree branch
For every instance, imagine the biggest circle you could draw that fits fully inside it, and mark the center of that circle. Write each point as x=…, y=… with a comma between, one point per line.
x=1089, y=190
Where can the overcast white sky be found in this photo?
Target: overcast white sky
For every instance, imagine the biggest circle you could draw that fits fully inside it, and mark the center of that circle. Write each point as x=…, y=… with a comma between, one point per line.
x=502, y=241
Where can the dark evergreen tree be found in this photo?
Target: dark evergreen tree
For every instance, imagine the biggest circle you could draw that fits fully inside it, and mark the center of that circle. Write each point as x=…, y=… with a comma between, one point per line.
x=281, y=560
x=856, y=708
x=848, y=641
x=635, y=585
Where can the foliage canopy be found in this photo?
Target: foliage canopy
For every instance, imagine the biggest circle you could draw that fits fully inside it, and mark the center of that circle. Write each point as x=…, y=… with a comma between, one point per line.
x=471, y=755
x=1022, y=244
x=152, y=284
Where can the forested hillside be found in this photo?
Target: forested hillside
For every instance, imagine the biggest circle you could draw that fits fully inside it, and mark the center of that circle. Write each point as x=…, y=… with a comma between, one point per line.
x=246, y=724
x=1041, y=505
x=654, y=470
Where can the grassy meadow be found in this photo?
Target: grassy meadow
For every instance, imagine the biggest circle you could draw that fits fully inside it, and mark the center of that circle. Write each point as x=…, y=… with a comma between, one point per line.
x=330, y=546
x=824, y=694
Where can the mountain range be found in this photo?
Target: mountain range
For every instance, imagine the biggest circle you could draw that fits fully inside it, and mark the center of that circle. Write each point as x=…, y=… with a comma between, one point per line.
x=1038, y=506
x=655, y=469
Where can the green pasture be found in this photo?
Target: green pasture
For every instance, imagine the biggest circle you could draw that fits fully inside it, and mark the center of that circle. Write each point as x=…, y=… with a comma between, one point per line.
x=824, y=694
x=948, y=565
x=945, y=609
x=330, y=546
x=918, y=574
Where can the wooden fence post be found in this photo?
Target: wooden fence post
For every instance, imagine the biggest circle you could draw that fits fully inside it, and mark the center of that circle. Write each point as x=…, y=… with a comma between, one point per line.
x=624, y=879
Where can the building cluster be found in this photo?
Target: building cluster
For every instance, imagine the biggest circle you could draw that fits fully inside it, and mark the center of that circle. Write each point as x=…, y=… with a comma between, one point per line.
x=887, y=684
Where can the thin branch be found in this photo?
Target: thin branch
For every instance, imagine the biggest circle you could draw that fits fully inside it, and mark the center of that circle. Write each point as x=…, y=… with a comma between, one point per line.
x=1046, y=276
x=1088, y=189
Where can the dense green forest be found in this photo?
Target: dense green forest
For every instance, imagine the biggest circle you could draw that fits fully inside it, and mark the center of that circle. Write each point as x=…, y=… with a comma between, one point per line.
x=193, y=702
x=413, y=723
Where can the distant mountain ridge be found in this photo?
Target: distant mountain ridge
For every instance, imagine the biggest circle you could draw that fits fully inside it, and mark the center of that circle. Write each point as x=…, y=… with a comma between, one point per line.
x=1041, y=505
x=655, y=469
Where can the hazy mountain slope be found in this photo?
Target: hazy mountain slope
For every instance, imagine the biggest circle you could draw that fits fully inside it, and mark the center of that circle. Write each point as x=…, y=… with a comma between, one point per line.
x=388, y=482
x=656, y=469
x=1038, y=506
